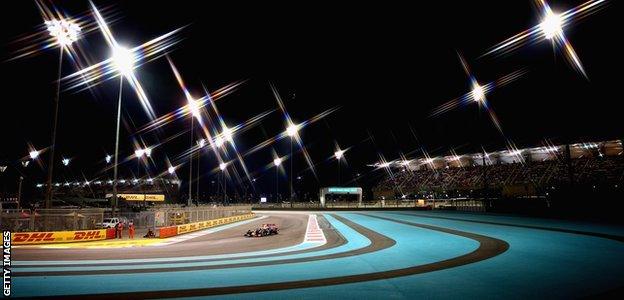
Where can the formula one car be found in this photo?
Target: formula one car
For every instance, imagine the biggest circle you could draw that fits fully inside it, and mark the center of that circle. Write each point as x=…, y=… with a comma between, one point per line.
x=264, y=230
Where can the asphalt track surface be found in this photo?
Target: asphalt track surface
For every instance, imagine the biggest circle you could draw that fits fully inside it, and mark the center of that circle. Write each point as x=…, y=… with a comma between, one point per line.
x=396, y=255
x=227, y=241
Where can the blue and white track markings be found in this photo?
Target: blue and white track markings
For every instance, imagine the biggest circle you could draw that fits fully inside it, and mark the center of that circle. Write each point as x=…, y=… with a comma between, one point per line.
x=385, y=254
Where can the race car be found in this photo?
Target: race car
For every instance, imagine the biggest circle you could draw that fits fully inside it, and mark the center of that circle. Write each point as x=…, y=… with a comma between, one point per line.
x=264, y=230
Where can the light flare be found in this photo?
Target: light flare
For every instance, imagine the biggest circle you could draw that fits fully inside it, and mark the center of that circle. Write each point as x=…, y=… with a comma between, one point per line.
x=551, y=28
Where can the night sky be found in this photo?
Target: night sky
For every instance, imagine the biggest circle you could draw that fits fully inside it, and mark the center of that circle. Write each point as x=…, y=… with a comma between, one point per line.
x=385, y=67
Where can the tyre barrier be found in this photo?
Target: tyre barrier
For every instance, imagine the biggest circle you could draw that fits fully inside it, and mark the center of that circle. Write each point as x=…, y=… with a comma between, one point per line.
x=169, y=231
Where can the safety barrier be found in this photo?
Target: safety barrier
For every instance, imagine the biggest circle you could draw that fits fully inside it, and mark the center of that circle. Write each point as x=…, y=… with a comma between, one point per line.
x=110, y=233
x=186, y=228
x=169, y=231
x=31, y=238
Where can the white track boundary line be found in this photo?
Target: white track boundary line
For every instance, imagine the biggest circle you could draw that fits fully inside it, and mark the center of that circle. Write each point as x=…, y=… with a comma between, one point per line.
x=314, y=234
x=188, y=236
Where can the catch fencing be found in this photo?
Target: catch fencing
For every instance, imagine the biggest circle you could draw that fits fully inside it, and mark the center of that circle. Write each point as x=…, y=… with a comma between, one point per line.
x=25, y=220
x=50, y=219
x=169, y=215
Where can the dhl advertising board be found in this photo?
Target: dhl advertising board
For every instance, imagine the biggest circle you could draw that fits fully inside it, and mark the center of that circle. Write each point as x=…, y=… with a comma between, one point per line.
x=142, y=197
x=31, y=238
x=211, y=223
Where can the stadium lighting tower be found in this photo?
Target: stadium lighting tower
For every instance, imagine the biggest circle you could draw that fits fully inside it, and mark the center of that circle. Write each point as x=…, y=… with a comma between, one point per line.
x=551, y=25
x=108, y=159
x=193, y=107
x=222, y=167
x=277, y=162
x=123, y=60
x=478, y=95
x=33, y=154
x=66, y=32
x=139, y=153
x=227, y=134
x=201, y=143
x=171, y=170
x=219, y=141
x=291, y=131
x=338, y=155
x=66, y=161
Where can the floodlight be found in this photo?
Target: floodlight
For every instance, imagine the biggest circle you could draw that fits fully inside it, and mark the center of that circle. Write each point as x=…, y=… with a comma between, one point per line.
x=34, y=154
x=477, y=93
x=65, y=32
x=551, y=25
x=338, y=154
x=123, y=59
x=292, y=129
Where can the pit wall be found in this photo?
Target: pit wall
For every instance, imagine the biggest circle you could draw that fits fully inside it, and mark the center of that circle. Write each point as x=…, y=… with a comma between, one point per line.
x=169, y=231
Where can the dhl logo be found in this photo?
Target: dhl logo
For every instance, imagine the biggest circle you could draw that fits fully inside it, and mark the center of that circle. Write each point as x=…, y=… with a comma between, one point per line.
x=33, y=237
x=88, y=235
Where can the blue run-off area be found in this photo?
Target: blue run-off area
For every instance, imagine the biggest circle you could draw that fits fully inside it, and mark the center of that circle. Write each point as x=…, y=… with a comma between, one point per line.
x=538, y=263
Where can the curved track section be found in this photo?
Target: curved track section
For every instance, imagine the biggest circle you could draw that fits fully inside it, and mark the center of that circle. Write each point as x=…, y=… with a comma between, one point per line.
x=373, y=254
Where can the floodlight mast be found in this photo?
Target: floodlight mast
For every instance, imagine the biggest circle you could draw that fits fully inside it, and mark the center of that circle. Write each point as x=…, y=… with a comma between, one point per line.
x=66, y=32
x=123, y=60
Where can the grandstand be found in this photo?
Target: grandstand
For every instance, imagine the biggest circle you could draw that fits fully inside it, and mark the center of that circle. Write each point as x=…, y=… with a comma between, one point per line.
x=531, y=172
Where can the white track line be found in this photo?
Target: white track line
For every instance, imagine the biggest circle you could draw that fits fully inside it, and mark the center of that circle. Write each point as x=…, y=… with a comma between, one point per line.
x=314, y=234
x=188, y=236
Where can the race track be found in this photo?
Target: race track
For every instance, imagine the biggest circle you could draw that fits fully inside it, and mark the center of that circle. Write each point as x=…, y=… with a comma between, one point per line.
x=362, y=255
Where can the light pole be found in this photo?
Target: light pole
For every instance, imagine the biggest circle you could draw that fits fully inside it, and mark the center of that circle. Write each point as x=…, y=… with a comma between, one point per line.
x=201, y=143
x=139, y=153
x=222, y=167
x=33, y=154
x=193, y=106
x=277, y=162
x=107, y=159
x=338, y=155
x=19, y=192
x=65, y=32
x=123, y=60
x=291, y=131
x=2, y=170
x=65, y=162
